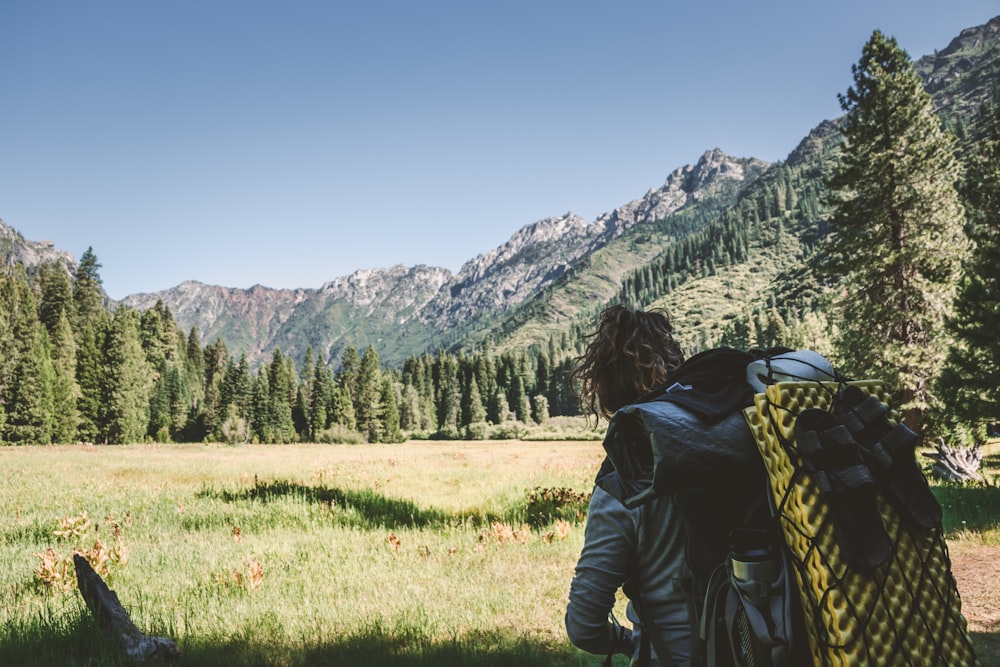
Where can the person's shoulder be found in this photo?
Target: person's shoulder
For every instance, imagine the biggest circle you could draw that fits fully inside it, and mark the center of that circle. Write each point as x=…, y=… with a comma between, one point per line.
x=605, y=499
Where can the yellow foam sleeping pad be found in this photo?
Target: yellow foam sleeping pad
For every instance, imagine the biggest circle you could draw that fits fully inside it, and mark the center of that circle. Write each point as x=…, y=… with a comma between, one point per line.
x=907, y=611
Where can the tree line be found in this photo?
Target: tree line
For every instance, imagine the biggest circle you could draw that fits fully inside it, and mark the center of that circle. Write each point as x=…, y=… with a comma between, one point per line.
x=73, y=371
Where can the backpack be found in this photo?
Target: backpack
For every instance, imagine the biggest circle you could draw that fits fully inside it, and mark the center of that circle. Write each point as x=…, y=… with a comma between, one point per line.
x=774, y=582
x=691, y=440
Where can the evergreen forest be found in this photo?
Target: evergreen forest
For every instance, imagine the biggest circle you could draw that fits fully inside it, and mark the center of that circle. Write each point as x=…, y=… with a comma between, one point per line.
x=888, y=223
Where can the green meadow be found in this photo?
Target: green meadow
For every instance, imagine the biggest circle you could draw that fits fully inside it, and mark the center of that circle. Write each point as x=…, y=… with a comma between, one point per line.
x=423, y=553
x=415, y=554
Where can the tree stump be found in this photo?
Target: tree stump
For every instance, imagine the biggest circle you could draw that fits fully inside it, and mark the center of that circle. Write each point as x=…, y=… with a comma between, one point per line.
x=957, y=464
x=114, y=620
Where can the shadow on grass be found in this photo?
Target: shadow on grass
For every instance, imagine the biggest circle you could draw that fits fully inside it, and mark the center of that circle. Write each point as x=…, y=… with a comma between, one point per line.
x=373, y=509
x=975, y=508
x=987, y=647
x=539, y=508
x=81, y=645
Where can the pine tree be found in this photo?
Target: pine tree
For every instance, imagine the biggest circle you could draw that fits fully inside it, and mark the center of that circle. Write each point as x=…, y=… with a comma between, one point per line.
x=473, y=410
x=56, y=296
x=260, y=410
x=241, y=387
x=389, y=430
x=225, y=383
x=417, y=404
x=90, y=379
x=128, y=381
x=543, y=374
x=29, y=399
x=448, y=399
x=306, y=373
x=368, y=400
x=736, y=333
x=320, y=397
x=519, y=400
x=194, y=366
x=561, y=399
x=301, y=407
x=180, y=399
x=409, y=409
x=65, y=390
x=154, y=334
x=350, y=369
x=497, y=407
x=971, y=381
x=342, y=408
x=773, y=330
x=897, y=238
x=88, y=290
x=6, y=349
x=159, y=410
x=280, y=392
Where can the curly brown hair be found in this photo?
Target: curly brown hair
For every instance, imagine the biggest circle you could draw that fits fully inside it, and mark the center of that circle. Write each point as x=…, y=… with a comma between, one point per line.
x=629, y=353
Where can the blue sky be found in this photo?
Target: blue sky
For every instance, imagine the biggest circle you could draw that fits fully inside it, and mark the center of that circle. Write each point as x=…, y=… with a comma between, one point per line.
x=290, y=143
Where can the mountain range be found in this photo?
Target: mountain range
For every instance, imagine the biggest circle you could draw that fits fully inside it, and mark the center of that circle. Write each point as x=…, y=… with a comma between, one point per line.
x=557, y=272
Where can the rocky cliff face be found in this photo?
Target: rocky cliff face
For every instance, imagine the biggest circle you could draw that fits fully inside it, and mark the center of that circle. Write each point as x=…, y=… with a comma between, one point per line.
x=962, y=76
x=15, y=249
x=424, y=304
x=397, y=293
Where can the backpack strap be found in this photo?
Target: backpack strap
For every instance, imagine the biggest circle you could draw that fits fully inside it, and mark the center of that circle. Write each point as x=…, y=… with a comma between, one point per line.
x=715, y=597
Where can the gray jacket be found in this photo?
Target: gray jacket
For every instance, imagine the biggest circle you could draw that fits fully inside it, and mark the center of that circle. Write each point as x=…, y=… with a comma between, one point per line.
x=649, y=542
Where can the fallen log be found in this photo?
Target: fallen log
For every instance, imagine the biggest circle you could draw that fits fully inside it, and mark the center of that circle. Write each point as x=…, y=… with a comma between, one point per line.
x=114, y=620
x=957, y=464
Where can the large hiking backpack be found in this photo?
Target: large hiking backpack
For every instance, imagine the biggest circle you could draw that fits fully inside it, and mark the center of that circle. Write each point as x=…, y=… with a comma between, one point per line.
x=778, y=586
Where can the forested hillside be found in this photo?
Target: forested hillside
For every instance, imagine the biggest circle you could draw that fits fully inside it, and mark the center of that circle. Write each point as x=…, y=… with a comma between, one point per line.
x=730, y=248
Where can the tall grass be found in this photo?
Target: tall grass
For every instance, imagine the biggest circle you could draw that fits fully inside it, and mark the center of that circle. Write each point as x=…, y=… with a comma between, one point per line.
x=425, y=553
x=438, y=553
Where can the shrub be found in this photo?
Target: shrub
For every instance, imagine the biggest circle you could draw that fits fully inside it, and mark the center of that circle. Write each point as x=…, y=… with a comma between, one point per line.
x=235, y=429
x=476, y=431
x=338, y=434
x=550, y=504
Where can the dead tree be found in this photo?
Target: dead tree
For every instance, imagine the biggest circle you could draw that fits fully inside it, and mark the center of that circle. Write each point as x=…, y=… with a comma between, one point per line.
x=114, y=620
x=956, y=464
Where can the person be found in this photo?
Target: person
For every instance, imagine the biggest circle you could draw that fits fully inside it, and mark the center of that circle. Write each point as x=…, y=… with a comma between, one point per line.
x=630, y=353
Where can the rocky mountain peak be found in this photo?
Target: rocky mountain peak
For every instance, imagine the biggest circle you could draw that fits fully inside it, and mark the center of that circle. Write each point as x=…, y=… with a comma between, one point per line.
x=15, y=249
x=714, y=171
x=966, y=63
x=396, y=288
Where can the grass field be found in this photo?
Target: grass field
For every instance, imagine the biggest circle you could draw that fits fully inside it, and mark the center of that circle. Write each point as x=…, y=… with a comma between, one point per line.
x=414, y=554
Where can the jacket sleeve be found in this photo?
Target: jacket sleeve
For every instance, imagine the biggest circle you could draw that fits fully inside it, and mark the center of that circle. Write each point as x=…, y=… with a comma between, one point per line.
x=605, y=563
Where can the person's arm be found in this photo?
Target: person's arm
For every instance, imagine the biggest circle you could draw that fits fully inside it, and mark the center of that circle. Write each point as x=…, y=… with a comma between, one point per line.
x=605, y=563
